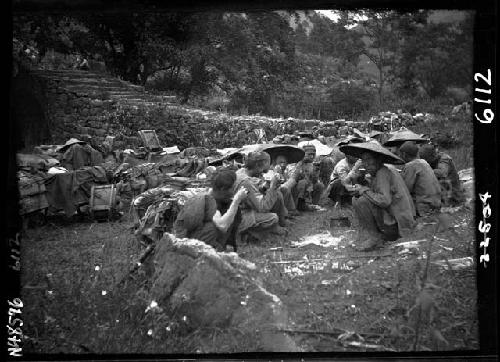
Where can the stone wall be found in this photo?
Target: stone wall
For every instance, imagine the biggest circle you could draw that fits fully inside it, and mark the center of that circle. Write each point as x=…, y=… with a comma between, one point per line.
x=187, y=127
x=80, y=103
x=75, y=115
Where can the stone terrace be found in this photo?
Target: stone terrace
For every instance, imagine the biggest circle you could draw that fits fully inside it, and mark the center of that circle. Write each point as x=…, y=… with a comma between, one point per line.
x=78, y=103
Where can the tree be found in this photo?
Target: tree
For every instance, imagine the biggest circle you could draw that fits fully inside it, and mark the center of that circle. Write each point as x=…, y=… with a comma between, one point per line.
x=257, y=61
x=350, y=99
x=35, y=34
x=328, y=38
x=136, y=46
x=256, y=55
x=382, y=42
x=435, y=56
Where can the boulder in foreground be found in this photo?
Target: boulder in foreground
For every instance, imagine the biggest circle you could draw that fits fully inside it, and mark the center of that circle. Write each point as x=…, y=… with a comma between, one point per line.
x=217, y=290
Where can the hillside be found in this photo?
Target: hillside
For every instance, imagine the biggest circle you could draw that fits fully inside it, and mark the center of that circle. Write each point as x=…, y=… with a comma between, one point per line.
x=274, y=63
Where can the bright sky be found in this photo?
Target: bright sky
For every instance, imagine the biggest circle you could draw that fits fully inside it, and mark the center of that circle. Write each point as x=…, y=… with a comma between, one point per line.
x=334, y=16
x=329, y=14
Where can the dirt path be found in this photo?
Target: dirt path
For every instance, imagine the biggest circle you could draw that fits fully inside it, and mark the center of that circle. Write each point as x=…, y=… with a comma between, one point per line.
x=338, y=300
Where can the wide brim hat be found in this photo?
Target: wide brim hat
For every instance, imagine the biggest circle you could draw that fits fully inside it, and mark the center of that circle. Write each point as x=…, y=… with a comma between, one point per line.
x=358, y=133
x=69, y=143
x=348, y=140
x=223, y=154
x=321, y=149
x=292, y=153
x=375, y=133
x=358, y=149
x=399, y=137
x=305, y=134
x=215, y=161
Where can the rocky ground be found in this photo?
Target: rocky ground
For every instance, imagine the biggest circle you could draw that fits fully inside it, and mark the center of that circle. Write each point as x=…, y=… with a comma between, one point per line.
x=337, y=299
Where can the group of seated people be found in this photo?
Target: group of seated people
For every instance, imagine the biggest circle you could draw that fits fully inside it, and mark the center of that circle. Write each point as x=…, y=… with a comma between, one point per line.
x=243, y=202
x=386, y=201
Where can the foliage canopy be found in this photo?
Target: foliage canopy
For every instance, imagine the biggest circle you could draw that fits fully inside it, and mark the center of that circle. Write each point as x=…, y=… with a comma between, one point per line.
x=278, y=63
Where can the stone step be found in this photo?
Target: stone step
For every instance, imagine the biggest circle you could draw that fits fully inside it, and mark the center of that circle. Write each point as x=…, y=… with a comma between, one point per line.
x=125, y=92
x=91, y=84
x=83, y=77
x=141, y=96
x=143, y=103
x=165, y=98
x=137, y=95
x=137, y=100
x=103, y=84
x=118, y=91
x=62, y=72
x=114, y=82
x=112, y=90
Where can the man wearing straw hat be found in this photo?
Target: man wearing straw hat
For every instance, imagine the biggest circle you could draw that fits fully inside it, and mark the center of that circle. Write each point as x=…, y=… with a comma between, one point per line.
x=401, y=136
x=384, y=210
x=346, y=172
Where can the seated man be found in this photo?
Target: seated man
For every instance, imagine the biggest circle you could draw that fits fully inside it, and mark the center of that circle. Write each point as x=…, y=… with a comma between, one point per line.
x=259, y=211
x=213, y=217
x=420, y=179
x=451, y=188
x=263, y=184
x=280, y=164
x=303, y=180
x=384, y=210
x=328, y=163
x=346, y=172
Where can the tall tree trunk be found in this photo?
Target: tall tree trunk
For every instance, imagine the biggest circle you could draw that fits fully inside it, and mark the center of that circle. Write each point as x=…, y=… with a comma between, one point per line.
x=381, y=86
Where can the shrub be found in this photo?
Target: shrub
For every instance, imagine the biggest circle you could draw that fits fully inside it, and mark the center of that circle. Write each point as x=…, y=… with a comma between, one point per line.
x=351, y=99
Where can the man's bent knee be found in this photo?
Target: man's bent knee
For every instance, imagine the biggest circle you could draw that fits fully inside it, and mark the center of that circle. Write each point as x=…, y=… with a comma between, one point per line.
x=361, y=201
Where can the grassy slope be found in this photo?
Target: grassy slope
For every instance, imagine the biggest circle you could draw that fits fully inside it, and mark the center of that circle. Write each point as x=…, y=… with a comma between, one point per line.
x=371, y=300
